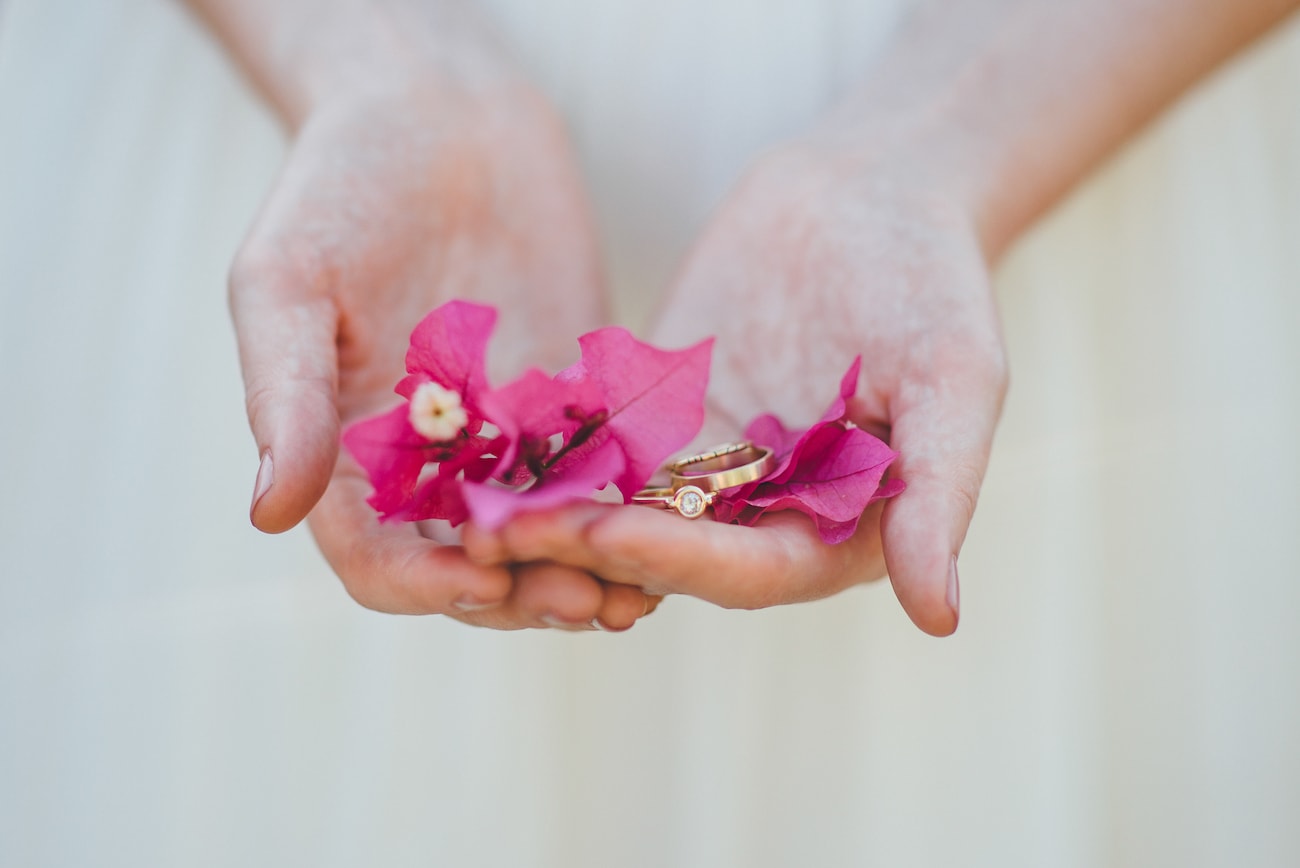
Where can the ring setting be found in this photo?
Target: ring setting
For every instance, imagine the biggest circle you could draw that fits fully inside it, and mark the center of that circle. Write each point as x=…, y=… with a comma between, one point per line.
x=689, y=501
x=697, y=479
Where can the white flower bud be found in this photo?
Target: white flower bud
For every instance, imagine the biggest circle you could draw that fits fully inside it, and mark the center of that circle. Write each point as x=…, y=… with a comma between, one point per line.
x=437, y=412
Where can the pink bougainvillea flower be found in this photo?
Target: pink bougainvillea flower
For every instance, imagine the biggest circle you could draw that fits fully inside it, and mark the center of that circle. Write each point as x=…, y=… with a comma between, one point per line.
x=449, y=347
x=448, y=352
x=653, y=399
x=614, y=416
x=831, y=471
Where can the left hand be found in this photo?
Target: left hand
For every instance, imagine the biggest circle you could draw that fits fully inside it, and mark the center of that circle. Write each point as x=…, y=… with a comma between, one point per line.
x=409, y=184
x=822, y=253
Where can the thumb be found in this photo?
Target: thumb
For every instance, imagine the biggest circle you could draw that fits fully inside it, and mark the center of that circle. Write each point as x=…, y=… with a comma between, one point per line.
x=286, y=331
x=943, y=435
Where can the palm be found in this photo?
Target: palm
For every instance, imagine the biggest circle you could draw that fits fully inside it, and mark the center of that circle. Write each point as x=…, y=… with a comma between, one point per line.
x=396, y=212
x=803, y=269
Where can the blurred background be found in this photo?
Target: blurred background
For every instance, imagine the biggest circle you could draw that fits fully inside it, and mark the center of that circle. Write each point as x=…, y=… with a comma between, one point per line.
x=177, y=689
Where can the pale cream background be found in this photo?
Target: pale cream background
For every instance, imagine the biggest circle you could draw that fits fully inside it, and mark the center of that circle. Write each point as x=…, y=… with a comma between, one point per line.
x=176, y=689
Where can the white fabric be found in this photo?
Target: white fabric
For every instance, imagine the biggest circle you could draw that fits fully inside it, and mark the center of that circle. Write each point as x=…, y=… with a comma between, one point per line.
x=176, y=689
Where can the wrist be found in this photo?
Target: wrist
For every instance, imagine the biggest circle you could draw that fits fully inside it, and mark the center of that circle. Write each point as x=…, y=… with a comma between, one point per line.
x=306, y=56
x=926, y=152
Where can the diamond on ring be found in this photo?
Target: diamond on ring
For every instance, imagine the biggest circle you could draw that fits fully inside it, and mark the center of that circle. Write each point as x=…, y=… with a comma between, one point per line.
x=689, y=502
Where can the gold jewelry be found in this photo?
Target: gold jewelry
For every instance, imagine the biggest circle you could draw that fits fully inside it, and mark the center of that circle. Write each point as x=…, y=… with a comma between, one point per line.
x=716, y=452
x=728, y=466
x=689, y=501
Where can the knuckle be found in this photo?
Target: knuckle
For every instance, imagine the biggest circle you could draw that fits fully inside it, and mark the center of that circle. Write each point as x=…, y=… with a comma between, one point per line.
x=259, y=396
x=357, y=581
x=759, y=585
x=982, y=358
x=253, y=267
x=790, y=182
x=966, y=477
x=301, y=266
x=288, y=394
x=363, y=592
x=387, y=583
x=996, y=370
x=362, y=597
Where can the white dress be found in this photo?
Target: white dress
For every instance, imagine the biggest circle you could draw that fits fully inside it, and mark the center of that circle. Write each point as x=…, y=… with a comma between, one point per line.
x=177, y=689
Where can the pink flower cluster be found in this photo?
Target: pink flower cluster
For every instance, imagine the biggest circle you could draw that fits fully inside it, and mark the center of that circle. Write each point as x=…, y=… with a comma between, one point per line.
x=458, y=448
x=614, y=416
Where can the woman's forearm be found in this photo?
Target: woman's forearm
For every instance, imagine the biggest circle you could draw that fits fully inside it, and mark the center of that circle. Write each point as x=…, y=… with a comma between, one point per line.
x=1008, y=103
x=300, y=53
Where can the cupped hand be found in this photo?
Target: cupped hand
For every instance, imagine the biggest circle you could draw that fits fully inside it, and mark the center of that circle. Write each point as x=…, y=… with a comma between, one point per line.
x=391, y=202
x=823, y=252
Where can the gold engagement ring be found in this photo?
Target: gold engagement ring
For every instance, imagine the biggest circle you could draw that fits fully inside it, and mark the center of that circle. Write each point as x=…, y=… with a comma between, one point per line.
x=689, y=501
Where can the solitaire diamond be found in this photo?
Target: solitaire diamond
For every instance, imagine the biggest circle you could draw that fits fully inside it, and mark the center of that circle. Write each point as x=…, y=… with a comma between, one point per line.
x=690, y=502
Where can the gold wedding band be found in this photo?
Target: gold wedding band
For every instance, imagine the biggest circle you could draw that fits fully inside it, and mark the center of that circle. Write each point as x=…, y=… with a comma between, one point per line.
x=716, y=452
x=727, y=466
x=689, y=501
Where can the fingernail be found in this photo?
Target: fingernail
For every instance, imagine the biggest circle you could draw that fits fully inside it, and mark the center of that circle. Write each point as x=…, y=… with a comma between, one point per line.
x=600, y=625
x=954, y=589
x=561, y=624
x=470, y=603
x=265, y=477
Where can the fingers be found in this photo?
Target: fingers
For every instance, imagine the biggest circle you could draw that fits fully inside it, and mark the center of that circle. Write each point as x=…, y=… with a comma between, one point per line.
x=286, y=331
x=943, y=432
x=564, y=598
x=782, y=561
x=394, y=569
x=623, y=606
x=391, y=567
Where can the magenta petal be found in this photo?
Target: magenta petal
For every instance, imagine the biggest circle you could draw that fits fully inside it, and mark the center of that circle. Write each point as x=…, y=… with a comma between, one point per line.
x=768, y=430
x=728, y=509
x=534, y=407
x=655, y=398
x=840, y=472
x=392, y=454
x=535, y=404
x=449, y=347
x=442, y=495
x=835, y=472
x=889, y=488
x=491, y=506
x=835, y=532
x=848, y=388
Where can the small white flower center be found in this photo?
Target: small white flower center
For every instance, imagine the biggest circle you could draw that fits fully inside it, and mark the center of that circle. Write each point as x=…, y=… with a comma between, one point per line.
x=436, y=413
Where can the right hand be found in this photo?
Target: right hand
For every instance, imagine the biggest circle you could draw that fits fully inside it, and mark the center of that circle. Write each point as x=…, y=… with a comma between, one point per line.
x=829, y=249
